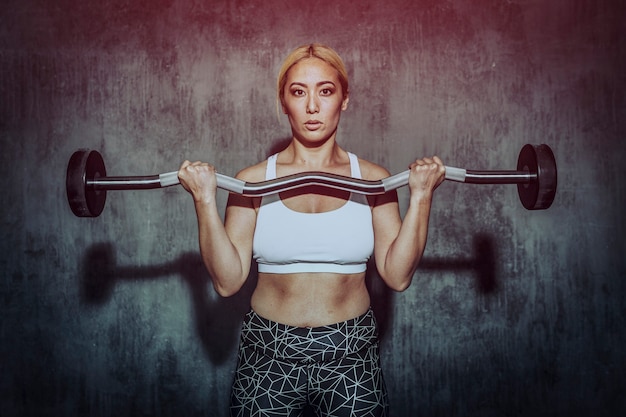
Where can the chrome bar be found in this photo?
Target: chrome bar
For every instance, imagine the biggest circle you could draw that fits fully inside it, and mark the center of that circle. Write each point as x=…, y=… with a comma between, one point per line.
x=124, y=183
x=304, y=179
x=499, y=177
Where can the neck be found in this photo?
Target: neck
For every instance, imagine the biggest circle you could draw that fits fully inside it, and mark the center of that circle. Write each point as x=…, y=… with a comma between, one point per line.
x=314, y=157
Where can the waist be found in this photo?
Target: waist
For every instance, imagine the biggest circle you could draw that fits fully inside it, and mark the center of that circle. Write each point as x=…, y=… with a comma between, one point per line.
x=310, y=299
x=309, y=344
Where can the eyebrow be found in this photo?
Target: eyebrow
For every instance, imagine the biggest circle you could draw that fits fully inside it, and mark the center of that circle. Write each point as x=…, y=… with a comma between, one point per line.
x=321, y=83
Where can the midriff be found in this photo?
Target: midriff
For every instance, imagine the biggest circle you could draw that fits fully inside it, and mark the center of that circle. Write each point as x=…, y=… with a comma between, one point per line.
x=310, y=299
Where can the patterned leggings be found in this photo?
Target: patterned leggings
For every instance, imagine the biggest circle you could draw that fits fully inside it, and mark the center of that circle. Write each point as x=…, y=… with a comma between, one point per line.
x=334, y=369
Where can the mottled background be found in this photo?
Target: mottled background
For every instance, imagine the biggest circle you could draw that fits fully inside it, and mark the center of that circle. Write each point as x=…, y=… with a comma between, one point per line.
x=513, y=313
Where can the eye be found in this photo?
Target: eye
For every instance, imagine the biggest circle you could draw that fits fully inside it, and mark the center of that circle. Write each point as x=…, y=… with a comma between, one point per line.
x=298, y=92
x=327, y=91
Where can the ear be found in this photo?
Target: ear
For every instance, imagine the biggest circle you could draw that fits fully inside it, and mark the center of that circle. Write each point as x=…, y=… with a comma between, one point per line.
x=344, y=104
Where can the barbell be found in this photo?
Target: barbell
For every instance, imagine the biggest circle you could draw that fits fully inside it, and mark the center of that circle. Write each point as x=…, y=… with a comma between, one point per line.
x=87, y=183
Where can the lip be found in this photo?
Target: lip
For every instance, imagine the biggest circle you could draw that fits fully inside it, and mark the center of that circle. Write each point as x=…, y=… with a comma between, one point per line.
x=312, y=124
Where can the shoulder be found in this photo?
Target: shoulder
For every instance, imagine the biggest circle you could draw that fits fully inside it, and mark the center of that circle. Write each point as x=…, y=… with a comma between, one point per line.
x=371, y=171
x=374, y=172
x=254, y=173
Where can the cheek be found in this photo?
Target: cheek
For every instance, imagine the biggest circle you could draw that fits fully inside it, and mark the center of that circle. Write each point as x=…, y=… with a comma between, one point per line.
x=290, y=106
x=287, y=109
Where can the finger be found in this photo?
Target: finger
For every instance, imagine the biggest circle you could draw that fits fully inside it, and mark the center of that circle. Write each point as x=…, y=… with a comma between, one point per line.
x=417, y=163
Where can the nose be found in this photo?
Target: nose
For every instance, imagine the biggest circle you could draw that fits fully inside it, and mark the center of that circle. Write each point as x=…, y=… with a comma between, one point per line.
x=312, y=105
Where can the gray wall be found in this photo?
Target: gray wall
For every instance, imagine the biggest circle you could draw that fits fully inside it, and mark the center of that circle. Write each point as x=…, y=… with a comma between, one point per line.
x=512, y=313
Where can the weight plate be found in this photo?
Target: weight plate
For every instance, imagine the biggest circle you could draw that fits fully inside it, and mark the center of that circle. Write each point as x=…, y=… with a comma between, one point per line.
x=539, y=161
x=84, y=199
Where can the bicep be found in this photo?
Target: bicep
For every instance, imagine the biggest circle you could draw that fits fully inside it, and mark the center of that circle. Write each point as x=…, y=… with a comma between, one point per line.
x=240, y=222
x=386, y=222
x=241, y=213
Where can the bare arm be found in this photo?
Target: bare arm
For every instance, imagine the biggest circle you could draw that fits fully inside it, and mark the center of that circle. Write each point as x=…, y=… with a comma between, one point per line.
x=226, y=248
x=400, y=244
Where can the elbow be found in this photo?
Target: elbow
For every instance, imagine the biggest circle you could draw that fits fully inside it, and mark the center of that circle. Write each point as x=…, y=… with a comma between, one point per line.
x=225, y=291
x=401, y=286
x=226, y=284
x=398, y=284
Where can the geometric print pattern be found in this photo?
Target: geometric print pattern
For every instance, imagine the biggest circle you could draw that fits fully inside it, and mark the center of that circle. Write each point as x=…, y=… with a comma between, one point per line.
x=333, y=369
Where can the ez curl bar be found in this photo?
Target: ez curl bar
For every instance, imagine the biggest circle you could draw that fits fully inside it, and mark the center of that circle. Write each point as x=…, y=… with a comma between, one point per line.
x=86, y=181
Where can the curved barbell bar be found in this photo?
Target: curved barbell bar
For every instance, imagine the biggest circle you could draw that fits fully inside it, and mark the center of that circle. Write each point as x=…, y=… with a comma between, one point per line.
x=290, y=182
x=87, y=182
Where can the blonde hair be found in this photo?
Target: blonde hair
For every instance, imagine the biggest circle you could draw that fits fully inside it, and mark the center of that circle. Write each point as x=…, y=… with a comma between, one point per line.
x=313, y=50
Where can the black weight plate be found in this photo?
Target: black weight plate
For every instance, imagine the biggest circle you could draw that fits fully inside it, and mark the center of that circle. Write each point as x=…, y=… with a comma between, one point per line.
x=528, y=192
x=547, y=177
x=85, y=200
x=539, y=161
x=75, y=183
x=95, y=169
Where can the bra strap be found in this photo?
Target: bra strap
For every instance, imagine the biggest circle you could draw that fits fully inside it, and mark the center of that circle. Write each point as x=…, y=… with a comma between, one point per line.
x=355, y=169
x=270, y=171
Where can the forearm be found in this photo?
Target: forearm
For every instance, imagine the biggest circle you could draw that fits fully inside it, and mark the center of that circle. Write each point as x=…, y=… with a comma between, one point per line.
x=405, y=252
x=219, y=254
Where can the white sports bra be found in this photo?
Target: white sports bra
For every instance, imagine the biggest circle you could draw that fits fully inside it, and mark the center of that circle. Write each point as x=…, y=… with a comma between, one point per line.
x=337, y=241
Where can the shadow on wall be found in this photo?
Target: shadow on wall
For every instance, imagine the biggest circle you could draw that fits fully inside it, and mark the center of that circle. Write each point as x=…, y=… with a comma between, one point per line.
x=100, y=274
x=482, y=265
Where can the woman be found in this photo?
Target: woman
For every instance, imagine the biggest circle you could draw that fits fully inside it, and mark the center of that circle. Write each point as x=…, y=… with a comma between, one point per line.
x=310, y=337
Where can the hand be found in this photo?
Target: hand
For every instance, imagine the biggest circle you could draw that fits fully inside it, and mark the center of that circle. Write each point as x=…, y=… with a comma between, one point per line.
x=199, y=179
x=425, y=176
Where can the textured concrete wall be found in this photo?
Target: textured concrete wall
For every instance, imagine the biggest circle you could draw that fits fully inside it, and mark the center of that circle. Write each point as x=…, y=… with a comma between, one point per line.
x=512, y=313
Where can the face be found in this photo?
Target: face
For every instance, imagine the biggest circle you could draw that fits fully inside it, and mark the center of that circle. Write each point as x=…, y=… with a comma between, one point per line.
x=313, y=100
